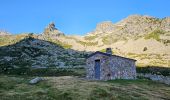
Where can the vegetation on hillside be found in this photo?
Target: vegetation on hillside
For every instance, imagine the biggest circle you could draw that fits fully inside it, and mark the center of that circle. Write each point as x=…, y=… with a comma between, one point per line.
x=87, y=43
x=90, y=38
x=72, y=88
x=154, y=35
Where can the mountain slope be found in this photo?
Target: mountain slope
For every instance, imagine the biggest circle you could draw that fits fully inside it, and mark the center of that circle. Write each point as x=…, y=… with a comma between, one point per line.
x=32, y=52
x=144, y=38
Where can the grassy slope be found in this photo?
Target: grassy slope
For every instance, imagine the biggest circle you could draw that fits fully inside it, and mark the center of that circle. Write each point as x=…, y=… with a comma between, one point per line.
x=72, y=88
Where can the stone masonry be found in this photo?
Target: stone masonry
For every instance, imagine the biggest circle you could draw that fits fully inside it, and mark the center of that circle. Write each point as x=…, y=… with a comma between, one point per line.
x=111, y=67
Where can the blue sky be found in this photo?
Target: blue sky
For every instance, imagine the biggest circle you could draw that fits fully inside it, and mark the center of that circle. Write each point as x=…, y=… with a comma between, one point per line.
x=73, y=16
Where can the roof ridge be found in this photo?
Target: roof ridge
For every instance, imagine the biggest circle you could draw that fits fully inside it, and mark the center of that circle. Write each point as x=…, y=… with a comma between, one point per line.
x=108, y=55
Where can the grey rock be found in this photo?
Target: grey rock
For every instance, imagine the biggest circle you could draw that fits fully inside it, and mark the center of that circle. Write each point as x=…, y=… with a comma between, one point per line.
x=35, y=80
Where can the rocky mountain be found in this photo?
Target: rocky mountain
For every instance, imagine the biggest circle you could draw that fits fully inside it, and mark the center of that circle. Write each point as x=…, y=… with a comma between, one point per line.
x=144, y=38
x=36, y=53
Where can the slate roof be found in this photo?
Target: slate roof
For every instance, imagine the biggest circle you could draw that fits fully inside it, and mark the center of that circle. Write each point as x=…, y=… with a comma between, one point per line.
x=98, y=52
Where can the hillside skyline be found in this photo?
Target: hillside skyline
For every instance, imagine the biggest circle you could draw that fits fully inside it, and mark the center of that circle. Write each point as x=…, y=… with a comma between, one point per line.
x=73, y=17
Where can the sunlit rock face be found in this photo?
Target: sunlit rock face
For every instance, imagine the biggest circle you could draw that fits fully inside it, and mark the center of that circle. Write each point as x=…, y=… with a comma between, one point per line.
x=51, y=30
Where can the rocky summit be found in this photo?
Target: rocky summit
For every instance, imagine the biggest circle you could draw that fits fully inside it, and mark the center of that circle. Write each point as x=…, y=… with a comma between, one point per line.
x=52, y=30
x=144, y=38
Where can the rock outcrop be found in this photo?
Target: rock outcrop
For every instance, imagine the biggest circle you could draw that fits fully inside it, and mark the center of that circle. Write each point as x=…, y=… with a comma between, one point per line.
x=51, y=30
x=36, y=80
x=157, y=78
x=36, y=53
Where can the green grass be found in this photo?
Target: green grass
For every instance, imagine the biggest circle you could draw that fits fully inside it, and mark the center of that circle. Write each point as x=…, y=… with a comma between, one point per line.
x=45, y=71
x=110, y=39
x=72, y=88
x=154, y=35
x=62, y=44
x=106, y=40
x=87, y=43
x=90, y=38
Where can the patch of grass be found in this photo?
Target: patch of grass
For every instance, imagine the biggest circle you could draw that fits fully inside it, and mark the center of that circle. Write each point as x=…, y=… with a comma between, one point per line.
x=110, y=39
x=8, y=40
x=98, y=93
x=103, y=50
x=45, y=72
x=72, y=88
x=128, y=82
x=87, y=43
x=90, y=38
x=106, y=40
x=17, y=88
x=61, y=95
x=154, y=35
x=64, y=45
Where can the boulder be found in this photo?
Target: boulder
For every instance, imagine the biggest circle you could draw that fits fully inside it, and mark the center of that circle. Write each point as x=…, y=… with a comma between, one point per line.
x=35, y=80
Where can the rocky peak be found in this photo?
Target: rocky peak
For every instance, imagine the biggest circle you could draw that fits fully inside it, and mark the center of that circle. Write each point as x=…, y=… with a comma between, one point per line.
x=104, y=27
x=133, y=26
x=138, y=16
x=135, y=19
x=52, y=30
x=51, y=25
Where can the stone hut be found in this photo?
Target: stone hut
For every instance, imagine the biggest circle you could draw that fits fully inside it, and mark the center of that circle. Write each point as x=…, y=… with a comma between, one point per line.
x=105, y=66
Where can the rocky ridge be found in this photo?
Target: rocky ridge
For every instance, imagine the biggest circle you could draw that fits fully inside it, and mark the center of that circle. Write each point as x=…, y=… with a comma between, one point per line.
x=144, y=38
x=51, y=30
x=36, y=53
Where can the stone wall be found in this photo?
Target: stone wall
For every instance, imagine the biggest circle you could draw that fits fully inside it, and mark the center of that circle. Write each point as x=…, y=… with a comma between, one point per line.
x=122, y=68
x=90, y=64
x=158, y=78
x=111, y=67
